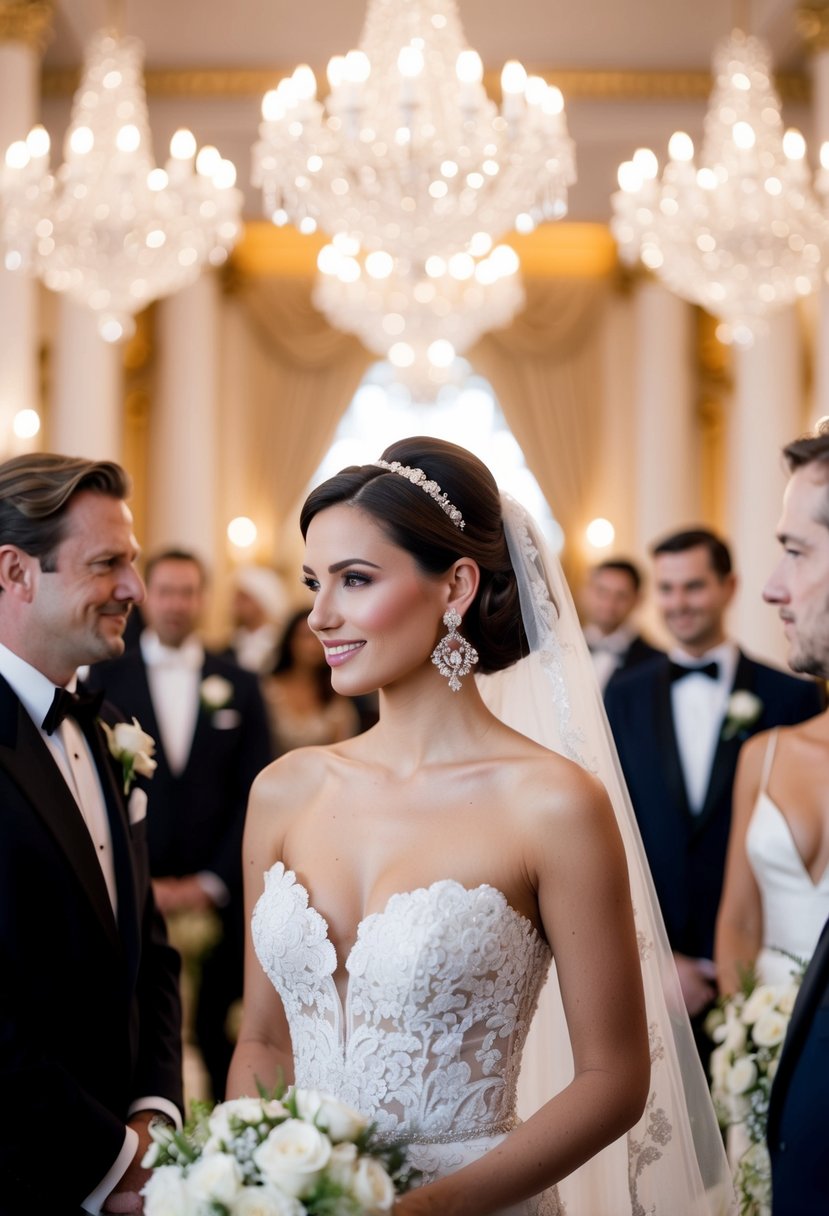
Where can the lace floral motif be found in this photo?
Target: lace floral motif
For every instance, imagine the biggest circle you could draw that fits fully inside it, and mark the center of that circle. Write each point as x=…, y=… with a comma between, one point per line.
x=442, y=986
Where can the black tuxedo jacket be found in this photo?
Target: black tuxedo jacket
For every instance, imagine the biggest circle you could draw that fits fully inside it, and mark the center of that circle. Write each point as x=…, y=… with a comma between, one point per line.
x=799, y=1103
x=686, y=852
x=89, y=1008
x=196, y=817
x=638, y=652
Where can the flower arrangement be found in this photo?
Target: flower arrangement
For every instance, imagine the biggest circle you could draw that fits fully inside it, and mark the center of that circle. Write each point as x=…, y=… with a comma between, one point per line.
x=299, y=1153
x=133, y=748
x=741, y=712
x=749, y=1029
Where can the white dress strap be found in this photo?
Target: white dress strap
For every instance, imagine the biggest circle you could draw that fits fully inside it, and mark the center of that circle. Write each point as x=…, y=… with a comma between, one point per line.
x=768, y=759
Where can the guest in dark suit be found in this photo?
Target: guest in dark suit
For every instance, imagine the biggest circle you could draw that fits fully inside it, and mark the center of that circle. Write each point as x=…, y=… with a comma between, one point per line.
x=678, y=727
x=799, y=1103
x=609, y=599
x=209, y=721
x=90, y=1043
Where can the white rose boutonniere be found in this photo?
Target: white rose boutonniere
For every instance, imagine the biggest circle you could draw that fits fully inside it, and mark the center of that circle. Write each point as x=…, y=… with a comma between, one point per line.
x=743, y=710
x=215, y=692
x=133, y=747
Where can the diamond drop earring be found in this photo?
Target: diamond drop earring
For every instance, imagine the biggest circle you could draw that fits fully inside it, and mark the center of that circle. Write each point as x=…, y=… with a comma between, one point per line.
x=454, y=656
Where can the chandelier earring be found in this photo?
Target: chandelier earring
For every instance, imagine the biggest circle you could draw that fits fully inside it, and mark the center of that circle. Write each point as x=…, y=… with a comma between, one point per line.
x=453, y=656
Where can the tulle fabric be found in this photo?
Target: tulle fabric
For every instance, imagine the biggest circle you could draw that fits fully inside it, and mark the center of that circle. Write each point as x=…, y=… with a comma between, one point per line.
x=672, y=1163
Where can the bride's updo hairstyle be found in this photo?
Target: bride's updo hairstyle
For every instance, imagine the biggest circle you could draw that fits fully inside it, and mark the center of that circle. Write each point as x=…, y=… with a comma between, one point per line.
x=415, y=522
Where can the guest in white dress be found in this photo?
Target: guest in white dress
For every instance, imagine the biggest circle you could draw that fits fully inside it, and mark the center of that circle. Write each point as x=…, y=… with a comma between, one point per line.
x=776, y=896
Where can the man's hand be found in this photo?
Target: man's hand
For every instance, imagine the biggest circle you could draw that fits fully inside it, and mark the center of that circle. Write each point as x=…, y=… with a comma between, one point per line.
x=698, y=981
x=181, y=895
x=127, y=1194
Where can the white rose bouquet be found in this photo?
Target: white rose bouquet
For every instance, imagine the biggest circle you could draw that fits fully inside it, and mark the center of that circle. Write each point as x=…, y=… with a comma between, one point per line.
x=749, y=1029
x=301, y=1153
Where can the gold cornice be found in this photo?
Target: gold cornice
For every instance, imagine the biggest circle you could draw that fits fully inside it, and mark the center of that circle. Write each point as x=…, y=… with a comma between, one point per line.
x=553, y=250
x=812, y=24
x=28, y=21
x=574, y=83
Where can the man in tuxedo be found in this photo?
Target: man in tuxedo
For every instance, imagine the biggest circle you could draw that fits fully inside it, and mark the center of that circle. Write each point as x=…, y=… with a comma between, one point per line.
x=679, y=723
x=609, y=598
x=90, y=1045
x=799, y=1103
x=209, y=722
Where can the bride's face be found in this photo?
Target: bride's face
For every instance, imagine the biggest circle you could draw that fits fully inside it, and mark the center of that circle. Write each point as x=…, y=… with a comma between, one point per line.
x=375, y=612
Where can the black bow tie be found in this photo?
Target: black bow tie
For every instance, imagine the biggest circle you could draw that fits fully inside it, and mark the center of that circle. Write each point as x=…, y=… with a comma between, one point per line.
x=677, y=671
x=83, y=707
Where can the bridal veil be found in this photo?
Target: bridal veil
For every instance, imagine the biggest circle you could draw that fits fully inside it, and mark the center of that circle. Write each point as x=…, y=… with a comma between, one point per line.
x=672, y=1162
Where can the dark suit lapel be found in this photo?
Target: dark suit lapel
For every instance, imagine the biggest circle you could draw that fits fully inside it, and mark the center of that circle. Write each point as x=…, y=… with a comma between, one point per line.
x=721, y=780
x=29, y=763
x=203, y=731
x=667, y=748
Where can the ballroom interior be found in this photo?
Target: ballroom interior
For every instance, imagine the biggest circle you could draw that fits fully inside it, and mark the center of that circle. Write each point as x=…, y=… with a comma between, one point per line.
x=608, y=395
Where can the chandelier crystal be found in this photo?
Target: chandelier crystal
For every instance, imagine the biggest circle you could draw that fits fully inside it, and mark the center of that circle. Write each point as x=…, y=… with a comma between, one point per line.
x=743, y=234
x=408, y=154
x=110, y=228
x=418, y=315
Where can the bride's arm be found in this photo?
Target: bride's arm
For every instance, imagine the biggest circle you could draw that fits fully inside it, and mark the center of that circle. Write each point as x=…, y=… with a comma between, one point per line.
x=740, y=918
x=584, y=900
x=263, y=1048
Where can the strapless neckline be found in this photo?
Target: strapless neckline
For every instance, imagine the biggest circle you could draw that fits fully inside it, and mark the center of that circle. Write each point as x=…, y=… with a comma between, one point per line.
x=816, y=884
x=394, y=903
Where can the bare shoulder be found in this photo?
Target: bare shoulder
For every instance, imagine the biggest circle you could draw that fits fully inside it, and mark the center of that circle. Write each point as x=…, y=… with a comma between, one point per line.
x=753, y=753
x=284, y=788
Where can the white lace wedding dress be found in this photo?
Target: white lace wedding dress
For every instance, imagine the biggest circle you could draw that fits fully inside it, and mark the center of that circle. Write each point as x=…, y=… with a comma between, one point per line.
x=795, y=907
x=442, y=985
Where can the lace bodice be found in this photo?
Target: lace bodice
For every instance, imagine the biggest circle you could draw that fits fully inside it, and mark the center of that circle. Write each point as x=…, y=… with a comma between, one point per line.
x=442, y=985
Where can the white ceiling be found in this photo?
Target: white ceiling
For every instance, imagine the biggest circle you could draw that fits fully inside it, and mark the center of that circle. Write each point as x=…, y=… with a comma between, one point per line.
x=602, y=35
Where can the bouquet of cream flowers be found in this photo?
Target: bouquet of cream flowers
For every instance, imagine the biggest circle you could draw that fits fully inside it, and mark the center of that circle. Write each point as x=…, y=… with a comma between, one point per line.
x=749, y=1029
x=301, y=1153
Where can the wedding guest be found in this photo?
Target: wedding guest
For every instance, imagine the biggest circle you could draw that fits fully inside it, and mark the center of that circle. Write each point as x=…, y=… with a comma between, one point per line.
x=90, y=1043
x=799, y=1102
x=679, y=723
x=303, y=707
x=258, y=609
x=609, y=600
x=211, y=728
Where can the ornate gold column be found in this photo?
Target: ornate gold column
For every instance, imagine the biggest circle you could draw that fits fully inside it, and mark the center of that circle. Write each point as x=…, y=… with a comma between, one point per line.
x=23, y=30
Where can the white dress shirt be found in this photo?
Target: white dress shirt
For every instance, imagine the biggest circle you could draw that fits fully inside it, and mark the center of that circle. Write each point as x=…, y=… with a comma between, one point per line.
x=699, y=705
x=174, y=676
x=608, y=650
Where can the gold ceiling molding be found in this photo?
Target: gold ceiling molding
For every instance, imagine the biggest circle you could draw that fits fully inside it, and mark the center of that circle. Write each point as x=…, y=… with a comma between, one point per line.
x=28, y=21
x=812, y=24
x=574, y=83
x=553, y=250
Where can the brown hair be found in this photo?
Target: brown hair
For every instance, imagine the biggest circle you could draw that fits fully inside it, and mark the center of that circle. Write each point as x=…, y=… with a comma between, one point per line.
x=36, y=491
x=415, y=522
x=811, y=449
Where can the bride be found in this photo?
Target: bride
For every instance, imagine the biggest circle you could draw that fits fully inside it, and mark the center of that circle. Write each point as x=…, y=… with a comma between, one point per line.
x=408, y=888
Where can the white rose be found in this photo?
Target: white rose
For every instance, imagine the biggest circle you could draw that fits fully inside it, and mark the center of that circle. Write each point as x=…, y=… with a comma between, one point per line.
x=249, y=1110
x=736, y=1037
x=214, y=1179
x=744, y=706
x=761, y=999
x=216, y=692
x=372, y=1187
x=771, y=1070
x=342, y=1163
x=265, y=1201
x=293, y=1157
x=719, y=1068
x=339, y=1121
x=129, y=737
x=741, y=1076
x=787, y=998
x=770, y=1028
x=166, y=1193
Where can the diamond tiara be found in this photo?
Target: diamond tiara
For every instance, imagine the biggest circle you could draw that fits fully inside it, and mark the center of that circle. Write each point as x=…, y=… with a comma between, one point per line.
x=418, y=478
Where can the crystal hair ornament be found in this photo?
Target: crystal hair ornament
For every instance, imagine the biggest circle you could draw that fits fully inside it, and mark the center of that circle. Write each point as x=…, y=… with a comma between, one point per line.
x=453, y=656
x=418, y=478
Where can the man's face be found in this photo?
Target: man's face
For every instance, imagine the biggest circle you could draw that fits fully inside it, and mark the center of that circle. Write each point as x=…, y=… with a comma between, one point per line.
x=608, y=599
x=799, y=584
x=692, y=598
x=175, y=595
x=78, y=611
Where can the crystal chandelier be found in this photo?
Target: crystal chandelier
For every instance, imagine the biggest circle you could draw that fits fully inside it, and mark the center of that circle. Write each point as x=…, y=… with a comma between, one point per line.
x=408, y=154
x=744, y=234
x=109, y=228
x=418, y=315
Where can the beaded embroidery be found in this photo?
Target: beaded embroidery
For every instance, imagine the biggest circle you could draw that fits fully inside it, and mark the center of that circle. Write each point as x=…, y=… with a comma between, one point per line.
x=418, y=478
